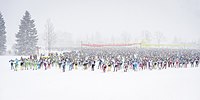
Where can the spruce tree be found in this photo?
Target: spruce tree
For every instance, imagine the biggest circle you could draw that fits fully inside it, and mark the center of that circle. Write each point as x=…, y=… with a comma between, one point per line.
x=2, y=35
x=27, y=36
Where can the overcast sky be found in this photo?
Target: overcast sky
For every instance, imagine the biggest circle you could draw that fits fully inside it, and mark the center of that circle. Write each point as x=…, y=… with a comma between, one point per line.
x=82, y=18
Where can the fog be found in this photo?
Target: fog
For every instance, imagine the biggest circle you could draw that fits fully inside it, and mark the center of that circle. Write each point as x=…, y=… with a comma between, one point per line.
x=106, y=21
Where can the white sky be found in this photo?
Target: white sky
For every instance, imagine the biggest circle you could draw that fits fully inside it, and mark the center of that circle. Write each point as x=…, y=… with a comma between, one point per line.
x=82, y=18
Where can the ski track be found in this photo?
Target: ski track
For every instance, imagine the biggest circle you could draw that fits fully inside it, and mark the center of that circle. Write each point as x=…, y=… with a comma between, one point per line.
x=53, y=84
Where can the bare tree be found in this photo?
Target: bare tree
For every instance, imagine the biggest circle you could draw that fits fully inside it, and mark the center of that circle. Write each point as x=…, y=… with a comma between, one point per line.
x=112, y=38
x=50, y=35
x=159, y=37
x=147, y=36
x=126, y=37
x=97, y=37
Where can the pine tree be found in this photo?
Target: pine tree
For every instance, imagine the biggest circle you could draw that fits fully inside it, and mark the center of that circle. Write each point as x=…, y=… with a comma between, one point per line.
x=27, y=36
x=2, y=35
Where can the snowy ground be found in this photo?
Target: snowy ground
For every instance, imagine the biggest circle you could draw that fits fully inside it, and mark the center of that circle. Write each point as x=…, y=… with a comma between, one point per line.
x=170, y=84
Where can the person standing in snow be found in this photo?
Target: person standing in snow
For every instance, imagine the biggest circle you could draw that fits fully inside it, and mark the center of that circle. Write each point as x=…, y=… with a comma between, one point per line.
x=104, y=67
x=192, y=62
x=63, y=64
x=22, y=63
x=11, y=64
x=39, y=62
x=197, y=62
x=93, y=64
x=115, y=67
x=125, y=67
x=100, y=62
x=16, y=64
x=59, y=63
x=45, y=64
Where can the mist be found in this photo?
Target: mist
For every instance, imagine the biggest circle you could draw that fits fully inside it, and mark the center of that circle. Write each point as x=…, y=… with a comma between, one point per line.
x=106, y=21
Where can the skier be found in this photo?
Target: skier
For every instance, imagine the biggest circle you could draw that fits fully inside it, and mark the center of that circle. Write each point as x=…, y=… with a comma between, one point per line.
x=135, y=66
x=100, y=62
x=93, y=64
x=85, y=65
x=109, y=66
x=177, y=63
x=39, y=62
x=22, y=63
x=115, y=67
x=125, y=67
x=45, y=64
x=26, y=64
x=192, y=62
x=63, y=65
x=76, y=66
x=11, y=64
x=164, y=65
x=104, y=67
x=196, y=62
x=71, y=65
x=59, y=63
x=49, y=62
x=35, y=65
x=16, y=64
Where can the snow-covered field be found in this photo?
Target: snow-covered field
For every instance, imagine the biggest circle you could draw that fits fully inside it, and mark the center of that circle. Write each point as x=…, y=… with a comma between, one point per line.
x=170, y=84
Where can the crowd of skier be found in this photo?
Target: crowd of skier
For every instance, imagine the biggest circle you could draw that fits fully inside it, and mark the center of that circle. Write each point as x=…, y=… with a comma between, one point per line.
x=110, y=60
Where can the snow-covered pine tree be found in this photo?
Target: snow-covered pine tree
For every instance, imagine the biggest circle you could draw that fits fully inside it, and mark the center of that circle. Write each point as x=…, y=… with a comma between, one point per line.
x=27, y=36
x=2, y=35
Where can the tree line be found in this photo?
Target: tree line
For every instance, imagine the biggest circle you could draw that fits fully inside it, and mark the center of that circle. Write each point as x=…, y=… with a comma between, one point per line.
x=26, y=37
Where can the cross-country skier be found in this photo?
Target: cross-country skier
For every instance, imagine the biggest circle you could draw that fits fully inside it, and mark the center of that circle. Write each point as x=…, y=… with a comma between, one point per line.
x=104, y=67
x=16, y=64
x=93, y=64
x=196, y=62
x=125, y=67
x=63, y=65
x=11, y=64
